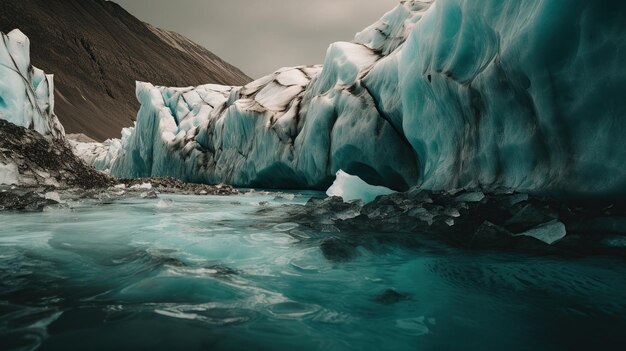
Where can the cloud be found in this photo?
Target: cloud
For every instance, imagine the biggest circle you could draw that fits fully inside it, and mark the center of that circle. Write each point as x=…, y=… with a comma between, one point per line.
x=260, y=36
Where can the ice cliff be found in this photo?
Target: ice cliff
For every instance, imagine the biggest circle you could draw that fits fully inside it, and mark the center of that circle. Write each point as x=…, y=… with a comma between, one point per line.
x=26, y=92
x=525, y=95
x=33, y=148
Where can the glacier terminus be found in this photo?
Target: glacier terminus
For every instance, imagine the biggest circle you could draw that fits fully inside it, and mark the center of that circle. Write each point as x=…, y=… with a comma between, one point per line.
x=449, y=94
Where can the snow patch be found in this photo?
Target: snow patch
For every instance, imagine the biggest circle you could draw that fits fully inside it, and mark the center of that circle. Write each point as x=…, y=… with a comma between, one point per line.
x=142, y=186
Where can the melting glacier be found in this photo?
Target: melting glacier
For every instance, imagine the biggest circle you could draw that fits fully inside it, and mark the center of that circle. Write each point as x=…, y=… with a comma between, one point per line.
x=524, y=95
x=26, y=92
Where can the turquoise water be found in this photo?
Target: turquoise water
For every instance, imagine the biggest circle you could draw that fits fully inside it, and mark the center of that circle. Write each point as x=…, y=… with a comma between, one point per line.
x=217, y=273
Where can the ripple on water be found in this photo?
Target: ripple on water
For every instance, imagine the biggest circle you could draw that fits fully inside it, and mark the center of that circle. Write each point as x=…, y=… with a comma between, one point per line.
x=292, y=310
x=308, y=260
x=217, y=316
x=272, y=238
x=285, y=227
x=416, y=326
x=29, y=327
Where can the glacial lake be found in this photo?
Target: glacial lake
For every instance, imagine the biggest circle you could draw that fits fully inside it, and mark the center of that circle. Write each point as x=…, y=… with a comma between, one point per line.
x=222, y=273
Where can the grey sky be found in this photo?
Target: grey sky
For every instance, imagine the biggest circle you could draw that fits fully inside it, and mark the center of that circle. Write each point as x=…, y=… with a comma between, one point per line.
x=260, y=36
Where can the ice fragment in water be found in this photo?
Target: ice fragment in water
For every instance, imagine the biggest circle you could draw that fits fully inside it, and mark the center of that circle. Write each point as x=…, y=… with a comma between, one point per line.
x=351, y=188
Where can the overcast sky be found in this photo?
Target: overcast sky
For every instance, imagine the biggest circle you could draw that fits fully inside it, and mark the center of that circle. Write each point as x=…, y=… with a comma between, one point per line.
x=260, y=36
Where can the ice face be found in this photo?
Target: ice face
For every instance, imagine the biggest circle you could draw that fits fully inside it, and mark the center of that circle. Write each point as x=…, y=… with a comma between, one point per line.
x=351, y=188
x=517, y=94
x=26, y=92
x=445, y=95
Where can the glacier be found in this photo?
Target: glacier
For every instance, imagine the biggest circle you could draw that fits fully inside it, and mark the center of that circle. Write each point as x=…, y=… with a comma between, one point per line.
x=447, y=94
x=26, y=92
x=34, y=151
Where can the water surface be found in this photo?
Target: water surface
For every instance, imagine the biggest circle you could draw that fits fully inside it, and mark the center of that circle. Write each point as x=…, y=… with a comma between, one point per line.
x=217, y=273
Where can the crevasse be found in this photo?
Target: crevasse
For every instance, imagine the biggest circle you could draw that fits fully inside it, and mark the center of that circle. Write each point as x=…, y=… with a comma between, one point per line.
x=525, y=95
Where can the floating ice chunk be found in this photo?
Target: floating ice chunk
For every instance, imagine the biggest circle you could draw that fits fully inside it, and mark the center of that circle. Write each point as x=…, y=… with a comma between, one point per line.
x=176, y=314
x=8, y=174
x=351, y=188
x=53, y=195
x=549, y=233
x=143, y=186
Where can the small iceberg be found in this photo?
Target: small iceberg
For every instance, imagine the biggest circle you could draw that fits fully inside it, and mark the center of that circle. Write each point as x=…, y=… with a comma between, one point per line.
x=351, y=188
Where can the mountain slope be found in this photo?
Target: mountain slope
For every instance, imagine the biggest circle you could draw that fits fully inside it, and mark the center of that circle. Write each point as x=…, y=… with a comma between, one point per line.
x=97, y=51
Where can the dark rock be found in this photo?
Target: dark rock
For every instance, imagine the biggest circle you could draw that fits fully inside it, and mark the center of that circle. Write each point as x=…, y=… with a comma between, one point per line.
x=390, y=297
x=26, y=201
x=221, y=270
x=177, y=186
x=41, y=161
x=529, y=216
x=174, y=262
x=489, y=235
x=338, y=249
x=499, y=220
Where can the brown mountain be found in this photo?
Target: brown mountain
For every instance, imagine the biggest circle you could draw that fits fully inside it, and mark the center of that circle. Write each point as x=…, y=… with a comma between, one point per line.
x=97, y=50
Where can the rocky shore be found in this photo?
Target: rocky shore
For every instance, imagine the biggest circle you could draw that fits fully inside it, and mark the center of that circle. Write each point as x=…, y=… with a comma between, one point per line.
x=37, y=172
x=472, y=220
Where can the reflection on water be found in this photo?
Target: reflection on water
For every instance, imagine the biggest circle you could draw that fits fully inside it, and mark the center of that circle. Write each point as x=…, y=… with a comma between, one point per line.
x=184, y=272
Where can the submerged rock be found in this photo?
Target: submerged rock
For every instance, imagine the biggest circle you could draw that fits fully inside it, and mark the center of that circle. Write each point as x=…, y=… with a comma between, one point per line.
x=338, y=249
x=489, y=235
x=390, y=297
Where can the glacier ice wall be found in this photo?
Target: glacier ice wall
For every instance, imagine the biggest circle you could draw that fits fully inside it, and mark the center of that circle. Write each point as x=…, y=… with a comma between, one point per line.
x=525, y=95
x=33, y=147
x=26, y=92
x=519, y=94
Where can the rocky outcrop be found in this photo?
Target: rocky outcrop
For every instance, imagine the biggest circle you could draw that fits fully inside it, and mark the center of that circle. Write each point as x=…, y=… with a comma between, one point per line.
x=469, y=220
x=28, y=159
